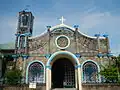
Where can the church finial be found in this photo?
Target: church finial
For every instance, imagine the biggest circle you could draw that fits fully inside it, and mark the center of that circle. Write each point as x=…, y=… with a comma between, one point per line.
x=62, y=20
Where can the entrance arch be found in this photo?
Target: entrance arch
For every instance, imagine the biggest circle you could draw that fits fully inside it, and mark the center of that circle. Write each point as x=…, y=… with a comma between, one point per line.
x=63, y=74
x=71, y=59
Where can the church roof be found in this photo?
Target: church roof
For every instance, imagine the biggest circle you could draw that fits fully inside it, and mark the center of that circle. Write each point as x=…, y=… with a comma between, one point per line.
x=9, y=45
x=64, y=25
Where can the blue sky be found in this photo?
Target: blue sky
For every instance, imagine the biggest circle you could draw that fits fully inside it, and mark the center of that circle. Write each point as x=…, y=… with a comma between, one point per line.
x=93, y=16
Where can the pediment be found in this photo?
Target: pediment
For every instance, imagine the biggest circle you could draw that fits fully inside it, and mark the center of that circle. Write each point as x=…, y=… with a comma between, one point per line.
x=46, y=41
x=65, y=28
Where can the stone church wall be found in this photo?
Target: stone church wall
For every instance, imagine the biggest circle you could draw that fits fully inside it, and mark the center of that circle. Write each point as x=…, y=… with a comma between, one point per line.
x=85, y=87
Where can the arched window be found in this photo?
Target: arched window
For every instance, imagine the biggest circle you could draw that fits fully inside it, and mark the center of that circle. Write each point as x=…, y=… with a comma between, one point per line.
x=36, y=73
x=90, y=72
x=24, y=20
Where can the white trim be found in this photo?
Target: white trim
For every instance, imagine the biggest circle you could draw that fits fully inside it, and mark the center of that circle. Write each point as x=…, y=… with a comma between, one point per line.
x=37, y=35
x=48, y=70
x=62, y=53
x=25, y=43
x=18, y=42
x=64, y=25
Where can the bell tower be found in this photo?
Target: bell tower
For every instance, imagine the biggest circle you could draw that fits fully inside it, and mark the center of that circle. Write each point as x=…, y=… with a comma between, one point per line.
x=24, y=30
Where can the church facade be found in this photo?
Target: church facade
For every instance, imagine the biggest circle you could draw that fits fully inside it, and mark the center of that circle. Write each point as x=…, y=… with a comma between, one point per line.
x=61, y=57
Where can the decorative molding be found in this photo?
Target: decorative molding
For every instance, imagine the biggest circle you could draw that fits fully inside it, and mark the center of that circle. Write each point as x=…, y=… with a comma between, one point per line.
x=17, y=34
x=65, y=37
x=47, y=56
x=49, y=67
x=15, y=56
x=97, y=35
x=99, y=55
x=78, y=55
x=76, y=26
x=60, y=53
x=25, y=56
x=64, y=25
x=48, y=27
x=105, y=35
x=78, y=66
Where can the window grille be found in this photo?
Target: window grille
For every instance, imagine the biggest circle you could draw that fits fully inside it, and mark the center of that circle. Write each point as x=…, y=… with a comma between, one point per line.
x=36, y=73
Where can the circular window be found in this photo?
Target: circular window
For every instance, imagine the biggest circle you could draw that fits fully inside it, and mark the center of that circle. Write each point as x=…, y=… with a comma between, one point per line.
x=62, y=42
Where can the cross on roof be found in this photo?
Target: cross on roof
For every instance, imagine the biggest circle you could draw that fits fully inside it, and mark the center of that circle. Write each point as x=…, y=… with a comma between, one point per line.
x=62, y=19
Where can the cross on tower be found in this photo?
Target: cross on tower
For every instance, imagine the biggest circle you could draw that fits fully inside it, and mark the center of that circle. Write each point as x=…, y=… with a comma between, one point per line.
x=62, y=19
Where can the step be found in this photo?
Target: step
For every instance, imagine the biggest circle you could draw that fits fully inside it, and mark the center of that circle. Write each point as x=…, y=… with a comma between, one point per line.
x=64, y=89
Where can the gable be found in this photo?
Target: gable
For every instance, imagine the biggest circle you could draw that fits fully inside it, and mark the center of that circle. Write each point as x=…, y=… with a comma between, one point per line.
x=79, y=42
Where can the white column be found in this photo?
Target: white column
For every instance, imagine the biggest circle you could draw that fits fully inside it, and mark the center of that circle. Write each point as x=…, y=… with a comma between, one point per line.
x=98, y=40
x=24, y=69
x=76, y=78
x=79, y=78
x=48, y=78
x=44, y=75
x=18, y=41
x=25, y=43
x=99, y=76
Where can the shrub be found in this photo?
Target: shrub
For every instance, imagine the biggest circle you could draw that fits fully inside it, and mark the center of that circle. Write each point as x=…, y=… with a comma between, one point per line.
x=13, y=77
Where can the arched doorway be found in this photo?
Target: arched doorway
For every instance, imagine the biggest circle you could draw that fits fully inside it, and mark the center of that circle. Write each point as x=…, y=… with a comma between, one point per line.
x=63, y=57
x=63, y=74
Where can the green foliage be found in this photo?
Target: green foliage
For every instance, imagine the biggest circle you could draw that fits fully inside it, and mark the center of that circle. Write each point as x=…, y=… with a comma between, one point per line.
x=13, y=77
x=111, y=73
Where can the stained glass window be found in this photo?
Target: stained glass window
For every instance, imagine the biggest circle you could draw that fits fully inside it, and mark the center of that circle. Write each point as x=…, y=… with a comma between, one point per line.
x=90, y=72
x=36, y=73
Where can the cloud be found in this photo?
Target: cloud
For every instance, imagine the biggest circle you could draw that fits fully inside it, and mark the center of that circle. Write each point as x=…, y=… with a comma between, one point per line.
x=87, y=15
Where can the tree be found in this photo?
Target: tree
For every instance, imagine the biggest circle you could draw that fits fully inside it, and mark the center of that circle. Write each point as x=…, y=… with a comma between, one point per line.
x=112, y=73
x=118, y=67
